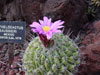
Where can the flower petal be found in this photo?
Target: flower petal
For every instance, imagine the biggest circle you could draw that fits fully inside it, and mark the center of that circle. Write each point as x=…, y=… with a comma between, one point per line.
x=35, y=24
x=49, y=22
x=57, y=27
x=61, y=23
x=34, y=30
x=49, y=35
x=41, y=22
x=46, y=22
x=60, y=26
x=45, y=19
x=57, y=31
x=55, y=24
x=36, y=27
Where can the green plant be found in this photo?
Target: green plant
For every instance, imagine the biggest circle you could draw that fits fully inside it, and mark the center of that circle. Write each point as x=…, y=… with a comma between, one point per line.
x=61, y=58
x=96, y=2
x=50, y=53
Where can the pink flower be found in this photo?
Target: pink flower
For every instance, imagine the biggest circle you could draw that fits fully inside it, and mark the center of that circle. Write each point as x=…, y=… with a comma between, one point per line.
x=46, y=27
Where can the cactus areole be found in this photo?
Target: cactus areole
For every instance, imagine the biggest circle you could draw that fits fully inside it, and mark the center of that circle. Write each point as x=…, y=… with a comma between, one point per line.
x=51, y=52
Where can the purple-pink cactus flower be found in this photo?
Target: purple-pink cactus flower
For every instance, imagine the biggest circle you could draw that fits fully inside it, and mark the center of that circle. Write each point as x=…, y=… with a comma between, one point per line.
x=46, y=27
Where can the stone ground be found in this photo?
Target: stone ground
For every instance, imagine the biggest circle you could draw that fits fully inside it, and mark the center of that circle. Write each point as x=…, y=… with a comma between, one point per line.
x=16, y=67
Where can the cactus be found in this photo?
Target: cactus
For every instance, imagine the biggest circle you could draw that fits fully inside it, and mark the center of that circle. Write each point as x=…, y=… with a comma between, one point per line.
x=61, y=58
x=50, y=53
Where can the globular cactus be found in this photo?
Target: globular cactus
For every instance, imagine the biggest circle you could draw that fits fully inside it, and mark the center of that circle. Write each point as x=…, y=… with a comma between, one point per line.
x=61, y=58
x=50, y=53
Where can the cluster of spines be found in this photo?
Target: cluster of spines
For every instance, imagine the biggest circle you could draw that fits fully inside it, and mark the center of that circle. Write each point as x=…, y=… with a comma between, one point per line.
x=58, y=60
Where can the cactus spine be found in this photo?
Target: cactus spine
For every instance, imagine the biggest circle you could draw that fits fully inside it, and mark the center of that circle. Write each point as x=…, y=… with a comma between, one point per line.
x=60, y=59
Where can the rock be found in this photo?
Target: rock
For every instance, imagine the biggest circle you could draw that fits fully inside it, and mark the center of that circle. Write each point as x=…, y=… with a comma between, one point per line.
x=12, y=11
x=31, y=10
x=2, y=3
x=91, y=50
x=71, y=11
